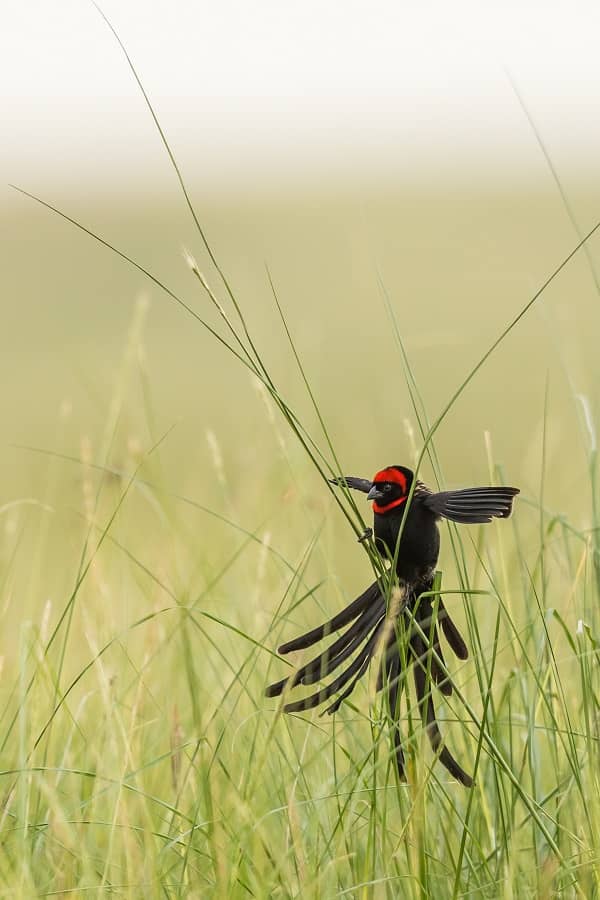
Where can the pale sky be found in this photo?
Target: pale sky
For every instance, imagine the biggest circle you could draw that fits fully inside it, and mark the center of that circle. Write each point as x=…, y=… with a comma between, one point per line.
x=275, y=86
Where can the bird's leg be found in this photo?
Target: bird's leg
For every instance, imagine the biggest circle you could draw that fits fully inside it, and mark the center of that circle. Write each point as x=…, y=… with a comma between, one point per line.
x=365, y=536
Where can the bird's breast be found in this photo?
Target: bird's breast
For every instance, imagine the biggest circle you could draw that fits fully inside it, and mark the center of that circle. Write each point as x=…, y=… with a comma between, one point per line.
x=419, y=543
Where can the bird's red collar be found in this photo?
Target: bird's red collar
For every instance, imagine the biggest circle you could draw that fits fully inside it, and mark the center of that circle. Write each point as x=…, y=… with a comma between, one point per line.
x=383, y=509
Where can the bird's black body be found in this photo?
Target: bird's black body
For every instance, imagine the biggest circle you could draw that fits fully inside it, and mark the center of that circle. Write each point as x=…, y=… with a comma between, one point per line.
x=419, y=544
x=412, y=540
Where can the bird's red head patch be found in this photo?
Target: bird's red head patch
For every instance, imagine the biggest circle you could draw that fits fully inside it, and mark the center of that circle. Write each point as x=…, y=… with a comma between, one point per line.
x=394, y=475
x=395, y=486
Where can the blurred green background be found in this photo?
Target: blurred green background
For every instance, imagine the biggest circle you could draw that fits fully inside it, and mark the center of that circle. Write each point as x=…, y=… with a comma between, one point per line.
x=456, y=264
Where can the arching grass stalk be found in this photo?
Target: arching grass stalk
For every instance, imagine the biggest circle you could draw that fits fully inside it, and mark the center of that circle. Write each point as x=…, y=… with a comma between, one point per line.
x=309, y=445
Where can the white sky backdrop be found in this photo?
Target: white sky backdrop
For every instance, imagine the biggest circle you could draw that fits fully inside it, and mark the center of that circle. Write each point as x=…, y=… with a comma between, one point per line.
x=279, y=87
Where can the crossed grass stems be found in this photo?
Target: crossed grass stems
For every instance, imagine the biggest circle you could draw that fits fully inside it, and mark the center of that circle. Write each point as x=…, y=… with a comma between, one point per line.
x=237, y=339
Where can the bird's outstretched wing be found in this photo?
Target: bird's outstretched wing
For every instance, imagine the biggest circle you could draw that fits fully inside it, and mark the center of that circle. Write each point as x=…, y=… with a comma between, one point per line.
x=472, y=505
x=357, y=484
x=366, y=629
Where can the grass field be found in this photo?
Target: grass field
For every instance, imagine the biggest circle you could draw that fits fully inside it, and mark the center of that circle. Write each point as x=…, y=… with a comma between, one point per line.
x=163, y=529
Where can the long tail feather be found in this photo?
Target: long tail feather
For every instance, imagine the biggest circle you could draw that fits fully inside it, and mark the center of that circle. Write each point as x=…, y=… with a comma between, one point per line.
x=338, y=683
x=389, y=659
x=438, y=662
x=331, y=658
x=451, y=632
x=362, y=638
x=394, y=691
x=427, y=709
x=331, y=661
x=350, y=612
x=425, y=618
x=438, y=674
x=340, y=699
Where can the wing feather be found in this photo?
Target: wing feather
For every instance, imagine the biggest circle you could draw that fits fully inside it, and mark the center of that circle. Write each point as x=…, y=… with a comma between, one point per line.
x=472, y=505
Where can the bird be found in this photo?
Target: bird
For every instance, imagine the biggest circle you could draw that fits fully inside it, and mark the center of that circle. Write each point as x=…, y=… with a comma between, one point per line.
x=406, y=533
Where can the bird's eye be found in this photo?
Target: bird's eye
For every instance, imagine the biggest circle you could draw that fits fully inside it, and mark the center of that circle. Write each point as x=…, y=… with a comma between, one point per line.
x=387, y=487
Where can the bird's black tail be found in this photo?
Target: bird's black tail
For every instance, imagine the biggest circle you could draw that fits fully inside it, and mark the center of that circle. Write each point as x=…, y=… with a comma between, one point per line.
x=367, y=613
x=362, y=639
x=429, y=668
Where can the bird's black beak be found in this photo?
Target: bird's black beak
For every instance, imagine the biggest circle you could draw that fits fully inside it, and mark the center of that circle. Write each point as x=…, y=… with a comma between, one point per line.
x=375, y=494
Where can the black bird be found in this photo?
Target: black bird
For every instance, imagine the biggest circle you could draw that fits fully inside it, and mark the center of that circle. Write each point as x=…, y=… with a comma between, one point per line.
x=375, y=629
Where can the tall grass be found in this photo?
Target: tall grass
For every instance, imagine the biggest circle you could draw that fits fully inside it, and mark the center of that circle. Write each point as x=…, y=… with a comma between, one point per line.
x=139, y=756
